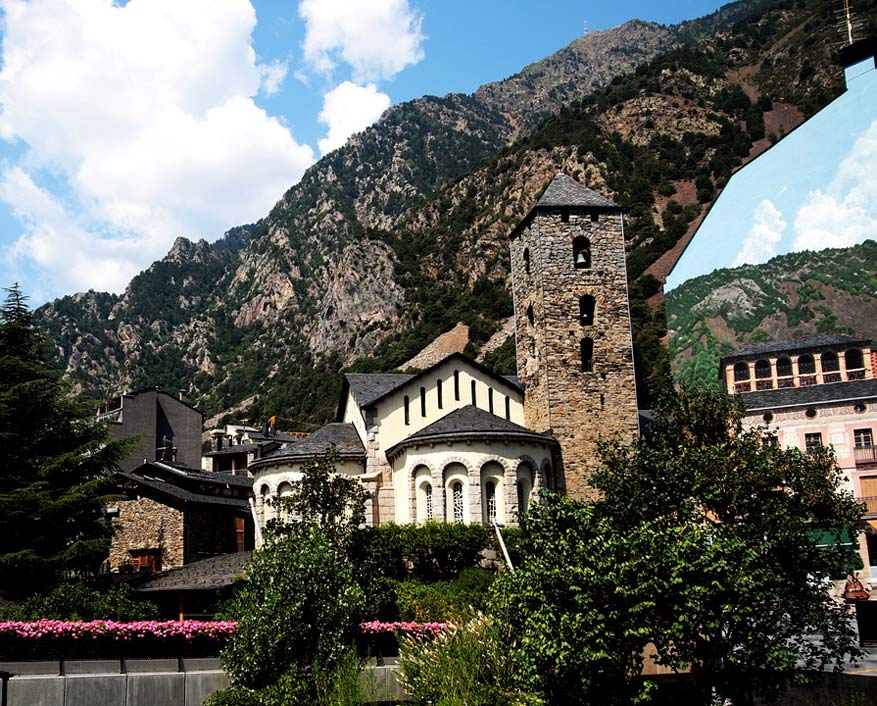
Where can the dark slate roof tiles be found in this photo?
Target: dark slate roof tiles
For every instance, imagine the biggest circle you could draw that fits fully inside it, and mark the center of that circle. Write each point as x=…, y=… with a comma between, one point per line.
x=564, y=191
x=368, y=387
x=207, y=574
x=343, y=437
x=184, y=495
x=812, y=394
x=470, y=422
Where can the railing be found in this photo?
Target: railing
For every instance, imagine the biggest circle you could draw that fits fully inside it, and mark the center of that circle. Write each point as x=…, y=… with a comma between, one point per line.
x=856, y=374
x=866, y=454
x=870, y=504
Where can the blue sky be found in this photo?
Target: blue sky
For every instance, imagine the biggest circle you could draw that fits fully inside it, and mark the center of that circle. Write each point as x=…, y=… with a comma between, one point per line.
x=815, y=189
x=124, y=125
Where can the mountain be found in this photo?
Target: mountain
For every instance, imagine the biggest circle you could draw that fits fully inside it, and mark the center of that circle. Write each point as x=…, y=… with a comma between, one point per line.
x=794, y=295
x=400, y=234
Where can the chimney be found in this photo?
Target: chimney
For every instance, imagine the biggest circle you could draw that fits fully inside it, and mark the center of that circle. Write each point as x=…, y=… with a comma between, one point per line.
x=265, y=428
x=216, y=437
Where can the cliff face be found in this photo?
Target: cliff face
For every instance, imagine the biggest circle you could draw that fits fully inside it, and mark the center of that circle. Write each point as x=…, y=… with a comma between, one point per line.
x=400, y=234
x=795, y=295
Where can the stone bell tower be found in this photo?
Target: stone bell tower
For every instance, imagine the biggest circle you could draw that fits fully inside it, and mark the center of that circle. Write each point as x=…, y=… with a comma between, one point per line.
x=572, y=325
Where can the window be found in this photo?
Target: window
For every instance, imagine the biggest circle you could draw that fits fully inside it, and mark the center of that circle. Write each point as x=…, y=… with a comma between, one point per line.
x=854, y=360
x=762, y=369
x=508, y=408
x=810, y=413
x=829, y=362
x=767, y=417
x=581, y=253
x=407, y=411
x=427, y=492
x=863, y=439
x=490, y=400
x=422, y=401
x=564, y=215
x=769, y=440
x=813, y=441
x=438, y=390
x=490, y=501
x=741, y=371
x=784, y=367
x=474, y=398
x=587, y=353
x=527, y=260
x=457, y=499
x=806, y=365
x=586, y=309
x=457, y=385
x=530, y=317
x=595, y=217
x=146, y=561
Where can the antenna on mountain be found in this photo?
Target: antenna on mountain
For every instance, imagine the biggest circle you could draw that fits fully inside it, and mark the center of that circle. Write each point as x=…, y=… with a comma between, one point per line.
x=585, y=31
x=849, y=24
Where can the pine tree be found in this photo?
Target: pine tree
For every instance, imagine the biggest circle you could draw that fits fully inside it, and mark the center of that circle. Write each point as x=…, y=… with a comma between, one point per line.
x=54, y=464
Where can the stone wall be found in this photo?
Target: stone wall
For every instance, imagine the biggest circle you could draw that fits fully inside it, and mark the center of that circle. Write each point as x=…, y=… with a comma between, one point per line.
x=579, y=407
x=147, y=524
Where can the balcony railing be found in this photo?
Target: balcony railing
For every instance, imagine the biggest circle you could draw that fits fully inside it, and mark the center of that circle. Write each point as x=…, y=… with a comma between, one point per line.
x=866, y=454
x=870, y=504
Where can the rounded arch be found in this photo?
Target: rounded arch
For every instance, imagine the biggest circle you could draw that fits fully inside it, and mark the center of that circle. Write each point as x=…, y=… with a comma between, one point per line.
x=547, y=472
x=854, y=359
x=284, y=491
x=581, y=252
x=762, y=368
x=784, y=367
x=423, y=493
x=806, y=364
x=741, y=371
x=524, y=477
x=455, y=477
x=527, y=260
x=492, y=492
x=829, y=362
x=587, y=305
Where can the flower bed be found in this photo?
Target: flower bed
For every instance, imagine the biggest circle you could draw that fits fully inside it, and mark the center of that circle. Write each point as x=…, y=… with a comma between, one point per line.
x=95, y=639
x=107, y=639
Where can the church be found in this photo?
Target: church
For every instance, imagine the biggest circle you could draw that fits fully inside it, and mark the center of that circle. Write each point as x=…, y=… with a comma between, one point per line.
x=458, y=443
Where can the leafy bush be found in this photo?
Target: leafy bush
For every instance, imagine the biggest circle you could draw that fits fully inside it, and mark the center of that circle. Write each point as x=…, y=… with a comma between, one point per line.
x=298, y=608
x=75, y=601
x=443, y=600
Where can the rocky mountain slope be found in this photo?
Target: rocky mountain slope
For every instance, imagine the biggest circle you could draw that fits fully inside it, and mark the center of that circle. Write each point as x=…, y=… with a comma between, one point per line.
x=794, y=295
x=399, y=235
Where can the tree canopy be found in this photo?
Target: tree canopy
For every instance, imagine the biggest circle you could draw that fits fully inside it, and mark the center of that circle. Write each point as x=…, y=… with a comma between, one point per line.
x=55, y=464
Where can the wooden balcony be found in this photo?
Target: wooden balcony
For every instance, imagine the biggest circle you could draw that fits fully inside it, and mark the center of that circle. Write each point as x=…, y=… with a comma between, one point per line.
x=865, y=455
x=870, y=504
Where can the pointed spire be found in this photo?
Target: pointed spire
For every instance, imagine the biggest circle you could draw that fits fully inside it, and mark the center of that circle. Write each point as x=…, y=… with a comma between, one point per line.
x=566, y=191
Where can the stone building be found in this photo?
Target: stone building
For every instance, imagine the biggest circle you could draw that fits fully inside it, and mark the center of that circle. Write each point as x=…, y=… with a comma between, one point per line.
x=816, y=391
x=572, y=323
x=234, y=447
x=173, y=515
x=459, y=443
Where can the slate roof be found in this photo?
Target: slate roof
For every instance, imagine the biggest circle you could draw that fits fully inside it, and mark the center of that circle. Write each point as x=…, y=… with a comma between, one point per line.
x=196, y=474
x=566, y=191
x=812, y=394
x=207, y=574
x=343, y=436
x=823, y=340
x=368, y=387
x=471, y=422
x=185, y=495
x=279, y=436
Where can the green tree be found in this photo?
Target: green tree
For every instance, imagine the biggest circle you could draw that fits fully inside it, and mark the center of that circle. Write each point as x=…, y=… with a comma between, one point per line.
x=581, y=604
x=55, y=464
x=742, y=588
x=298, y=610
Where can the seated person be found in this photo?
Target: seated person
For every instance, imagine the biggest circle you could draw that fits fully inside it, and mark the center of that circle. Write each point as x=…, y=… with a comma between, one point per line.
x=854, y=590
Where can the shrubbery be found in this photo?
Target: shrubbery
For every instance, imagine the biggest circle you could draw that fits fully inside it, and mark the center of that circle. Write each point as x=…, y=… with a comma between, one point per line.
x=75, y=601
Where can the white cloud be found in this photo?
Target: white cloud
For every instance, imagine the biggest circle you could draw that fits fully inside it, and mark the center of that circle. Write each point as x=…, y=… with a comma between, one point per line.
x=376, y=38
x=760, y=242
x=273, y=75
x=846, y=213
x=347, y=109
x=143, y=116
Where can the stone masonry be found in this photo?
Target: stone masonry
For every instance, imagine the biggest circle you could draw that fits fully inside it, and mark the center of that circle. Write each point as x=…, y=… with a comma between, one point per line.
x=578, y=407
x=146, y=524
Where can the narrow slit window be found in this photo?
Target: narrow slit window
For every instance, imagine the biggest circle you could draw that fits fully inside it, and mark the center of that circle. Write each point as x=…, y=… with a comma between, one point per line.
x=527, y=260
x=457, y=499
x=422, y=401
x=457, y=385
x=508, y=408
x=587, y=303
x=587, y=353
x=530, y=317
x=490, y=400
x=407, y=405
x=438, y=390
x=474, y=398
x=427, y=491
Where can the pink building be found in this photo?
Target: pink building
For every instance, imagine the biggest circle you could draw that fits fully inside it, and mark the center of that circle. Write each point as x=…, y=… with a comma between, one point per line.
x=815, y=391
